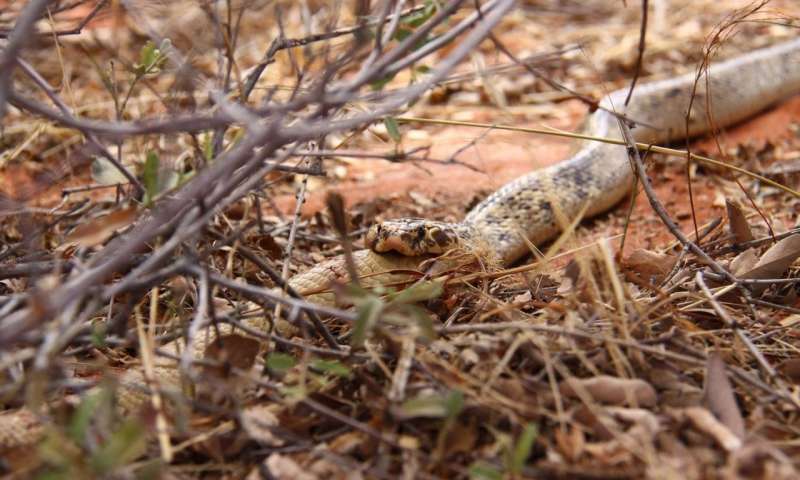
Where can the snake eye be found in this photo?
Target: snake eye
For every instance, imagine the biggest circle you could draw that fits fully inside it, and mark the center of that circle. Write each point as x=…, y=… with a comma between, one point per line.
x=420, y=232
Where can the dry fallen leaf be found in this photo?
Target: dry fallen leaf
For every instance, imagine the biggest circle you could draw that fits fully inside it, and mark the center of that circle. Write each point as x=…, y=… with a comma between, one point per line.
x=570, y=443
x=775, y=261
x=611, y=390
x=706, y=422
x=231, y=351
x=98, y=230
x=791, y=368
x=737, y=222
x=258, y=422
x=744, y=262
x=282, y=467
x=720, y=398
x=646, y=262
x=268, y=245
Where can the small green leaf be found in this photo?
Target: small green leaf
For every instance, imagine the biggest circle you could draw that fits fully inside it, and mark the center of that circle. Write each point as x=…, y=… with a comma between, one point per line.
x=294, y=393
x=280, y=363
x=418, y=18
x=422, y=69
x=402, y=33
x=80, y=420
x=423, y=320
x=433, y=406
x=378, y=84
x=419, y=292
x=57, y=451
x=523, y=447
x=98, y=335
x=125, y=445
x=369, y=311
x=150, y=177
x=331, y=367
x=147, y=56
x=208, y=146
x=483, y=471
x=392, y=128
x=454, y=403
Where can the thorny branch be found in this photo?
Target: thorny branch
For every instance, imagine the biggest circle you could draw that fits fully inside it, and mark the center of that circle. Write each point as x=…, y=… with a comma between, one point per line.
x=240, y=168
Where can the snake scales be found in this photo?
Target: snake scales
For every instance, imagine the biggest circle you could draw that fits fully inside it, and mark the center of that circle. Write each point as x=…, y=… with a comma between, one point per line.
x=598, y=175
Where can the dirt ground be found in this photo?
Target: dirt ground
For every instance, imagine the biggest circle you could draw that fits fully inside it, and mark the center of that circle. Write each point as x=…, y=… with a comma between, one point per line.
x=607, y=368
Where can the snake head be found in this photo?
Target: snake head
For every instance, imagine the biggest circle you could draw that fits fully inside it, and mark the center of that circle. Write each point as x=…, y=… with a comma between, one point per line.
x=413, y=237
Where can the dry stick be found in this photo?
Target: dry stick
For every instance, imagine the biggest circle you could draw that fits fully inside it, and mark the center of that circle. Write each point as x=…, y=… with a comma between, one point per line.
x=734, y=325
x=716, y=39
x=77, y=29
x=20, y=34
x=381, y=67
x=265, y=137
x=198, y=319
x=282, y=43
x=382, y=37
x=755, y=281
x=260, y=294
x=757, y=242
x=441, y=40
x=50, y=92
x=335, y=204
x=655, y=203
x=146, y=350
x=254, y=258
x=300, y=199
x=638, y=68
x=193, y=123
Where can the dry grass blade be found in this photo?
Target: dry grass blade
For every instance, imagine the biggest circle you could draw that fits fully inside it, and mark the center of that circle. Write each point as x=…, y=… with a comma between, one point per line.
x=720, y=397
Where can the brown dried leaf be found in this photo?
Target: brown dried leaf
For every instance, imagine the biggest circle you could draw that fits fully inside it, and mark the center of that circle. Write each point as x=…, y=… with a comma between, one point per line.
x=282, y=467
x=737, y=222
x=98, y=230
x=462, y=438
x=646, y=262
x=791, y=368
x=720, y=398
x=611, y=390
x=775, y=261
x=744, y=262
x=348, y=442
x=258, y=422
x=570, y=443
x=706, y=422
x=268, y=245
x=570, y=279
x=235, y=351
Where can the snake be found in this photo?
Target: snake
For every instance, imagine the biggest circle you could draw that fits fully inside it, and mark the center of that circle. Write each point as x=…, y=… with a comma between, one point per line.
x=529, y=210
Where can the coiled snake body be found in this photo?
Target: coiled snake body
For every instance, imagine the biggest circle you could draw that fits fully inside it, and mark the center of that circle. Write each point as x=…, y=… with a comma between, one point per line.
x=594, y=179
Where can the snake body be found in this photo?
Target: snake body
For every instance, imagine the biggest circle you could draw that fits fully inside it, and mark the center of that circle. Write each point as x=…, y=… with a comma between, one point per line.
x=527, y=209
x=598, y=176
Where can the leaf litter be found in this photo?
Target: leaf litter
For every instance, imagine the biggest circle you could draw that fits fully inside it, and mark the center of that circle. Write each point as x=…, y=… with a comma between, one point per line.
x=593, y=370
